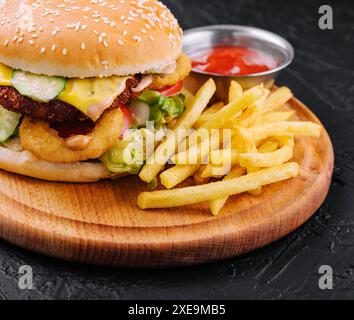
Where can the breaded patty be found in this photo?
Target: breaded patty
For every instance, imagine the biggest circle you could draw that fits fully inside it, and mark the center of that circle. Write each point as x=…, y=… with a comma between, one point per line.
x=56, y=111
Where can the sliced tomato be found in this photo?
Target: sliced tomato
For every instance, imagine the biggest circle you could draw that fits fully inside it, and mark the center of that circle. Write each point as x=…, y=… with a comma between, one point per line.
x=172, y=90
x=127, y=120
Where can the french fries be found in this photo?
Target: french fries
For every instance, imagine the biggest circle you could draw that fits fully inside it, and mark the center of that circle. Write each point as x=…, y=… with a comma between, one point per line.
x=277, y=99
x=272, y=117
x=196, y=154
x=242, y=140
x=268, y=146
x=258, y=152
x=167, y=148
x=234, y=108
x=177, y=174
x=235, y=92
x=299, y=128
x=208, y=113
x=188, y=97
x=251, y=114
x=216, y=205
x=198, y=179
x=220, y=157
x=244, y=144
x=217, y=190
x=270, y=159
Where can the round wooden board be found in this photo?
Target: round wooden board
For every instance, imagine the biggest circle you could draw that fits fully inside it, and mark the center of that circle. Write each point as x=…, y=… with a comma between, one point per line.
x=100, y=223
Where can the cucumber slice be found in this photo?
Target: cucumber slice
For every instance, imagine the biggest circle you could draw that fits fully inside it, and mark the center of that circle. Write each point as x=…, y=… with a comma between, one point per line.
x=39, y=88
x=8, y=123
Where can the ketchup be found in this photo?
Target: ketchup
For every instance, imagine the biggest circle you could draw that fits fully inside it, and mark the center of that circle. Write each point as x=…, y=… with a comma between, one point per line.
x=233, y=61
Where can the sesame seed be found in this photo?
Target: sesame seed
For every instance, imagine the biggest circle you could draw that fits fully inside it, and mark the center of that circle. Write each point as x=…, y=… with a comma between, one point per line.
x=143, y=15
x=137, y=38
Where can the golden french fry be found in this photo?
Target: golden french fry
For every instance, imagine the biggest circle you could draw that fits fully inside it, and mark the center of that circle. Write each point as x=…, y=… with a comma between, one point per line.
x=198, y=153
x=225, y=159
x=272, y=117
x=250, y=115
x=188, y=97
x=265, y=160
x=220, y=157
x=277, y=99
x=234, y=108
x=235, y=92
x=167, y=148
x=177, y=174
x=221, y=160
x=257, y=191
x=268, y=146
x=297, y=128
x=208, y=113
x=216, y=190
x=247, y=118
x=242, y=140
x=244, y=143
x=198, y=179
x=217, y=121
x=211, y=171
x=214, y=108
x=216, y=205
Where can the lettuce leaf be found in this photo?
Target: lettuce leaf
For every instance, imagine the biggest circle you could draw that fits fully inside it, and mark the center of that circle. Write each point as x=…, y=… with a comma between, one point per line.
x=163, y=109
x=127, y=155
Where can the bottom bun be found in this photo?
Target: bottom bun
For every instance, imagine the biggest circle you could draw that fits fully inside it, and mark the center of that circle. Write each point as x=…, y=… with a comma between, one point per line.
x=15, y=159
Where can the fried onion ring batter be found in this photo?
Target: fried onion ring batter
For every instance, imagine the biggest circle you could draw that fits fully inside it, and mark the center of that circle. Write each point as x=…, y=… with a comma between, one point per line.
x=183, y=69
x=43, y=141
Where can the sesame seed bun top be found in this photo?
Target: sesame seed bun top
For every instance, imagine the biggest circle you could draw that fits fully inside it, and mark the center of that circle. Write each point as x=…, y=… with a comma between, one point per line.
x=87, y=38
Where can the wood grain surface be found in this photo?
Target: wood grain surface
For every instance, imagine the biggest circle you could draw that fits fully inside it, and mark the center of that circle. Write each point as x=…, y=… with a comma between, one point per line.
x=100, y=223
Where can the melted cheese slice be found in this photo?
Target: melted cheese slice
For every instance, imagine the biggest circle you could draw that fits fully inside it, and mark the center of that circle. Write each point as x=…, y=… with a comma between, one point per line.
x=5, y=75
x=93, y=96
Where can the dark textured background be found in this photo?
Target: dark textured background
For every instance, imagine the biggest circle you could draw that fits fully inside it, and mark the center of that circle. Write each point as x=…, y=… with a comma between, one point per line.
x=323, y=77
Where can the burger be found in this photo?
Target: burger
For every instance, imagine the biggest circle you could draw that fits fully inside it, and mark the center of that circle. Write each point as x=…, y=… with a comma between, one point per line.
x=76, y=75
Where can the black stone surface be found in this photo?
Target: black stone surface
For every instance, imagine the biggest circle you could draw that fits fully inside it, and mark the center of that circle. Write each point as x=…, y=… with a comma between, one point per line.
x=323, y=77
